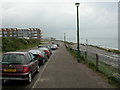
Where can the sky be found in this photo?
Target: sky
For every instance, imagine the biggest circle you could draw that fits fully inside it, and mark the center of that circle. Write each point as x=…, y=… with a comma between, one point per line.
x=98, y=18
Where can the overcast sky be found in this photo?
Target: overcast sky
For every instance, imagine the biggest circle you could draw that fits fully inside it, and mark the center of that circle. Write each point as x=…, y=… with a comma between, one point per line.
x=56, y=17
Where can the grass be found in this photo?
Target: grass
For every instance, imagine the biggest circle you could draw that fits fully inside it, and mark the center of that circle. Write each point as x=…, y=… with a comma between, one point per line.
x=14, y=44
x=104, y=70
x=69, y=43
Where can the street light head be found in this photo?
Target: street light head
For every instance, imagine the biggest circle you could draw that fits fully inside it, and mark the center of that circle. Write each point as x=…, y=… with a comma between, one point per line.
x=77, y=4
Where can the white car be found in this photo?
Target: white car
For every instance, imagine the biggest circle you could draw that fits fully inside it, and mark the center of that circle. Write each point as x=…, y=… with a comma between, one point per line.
x=47, y=52
x=54, y=47
x=40, y=46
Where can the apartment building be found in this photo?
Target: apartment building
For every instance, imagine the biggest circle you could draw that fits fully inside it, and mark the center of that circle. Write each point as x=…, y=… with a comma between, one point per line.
x=30, y=33
x=8, y=32
x=34, y=33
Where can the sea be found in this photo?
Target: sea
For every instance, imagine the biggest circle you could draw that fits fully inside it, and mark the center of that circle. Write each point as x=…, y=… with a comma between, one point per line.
x=111, y=43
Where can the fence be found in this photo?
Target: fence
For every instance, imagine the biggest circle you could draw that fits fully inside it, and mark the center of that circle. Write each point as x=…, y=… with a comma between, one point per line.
x=107, y=65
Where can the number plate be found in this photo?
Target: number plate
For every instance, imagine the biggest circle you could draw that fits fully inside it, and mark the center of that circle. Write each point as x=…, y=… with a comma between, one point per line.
x=9, y=70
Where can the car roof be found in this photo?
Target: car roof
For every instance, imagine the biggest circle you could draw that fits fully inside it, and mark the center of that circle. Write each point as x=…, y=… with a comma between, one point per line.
x=35, y=51
x=40, y=45
x=16, y=53
x=43, y=48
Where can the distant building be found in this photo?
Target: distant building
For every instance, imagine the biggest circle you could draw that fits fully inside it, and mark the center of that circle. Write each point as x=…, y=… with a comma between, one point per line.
x=34, y=33
x=23, y=33
x=31, y=33
x=9, y=32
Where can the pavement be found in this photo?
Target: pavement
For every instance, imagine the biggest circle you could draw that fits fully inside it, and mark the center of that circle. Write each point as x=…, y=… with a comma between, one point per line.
x=63, y=71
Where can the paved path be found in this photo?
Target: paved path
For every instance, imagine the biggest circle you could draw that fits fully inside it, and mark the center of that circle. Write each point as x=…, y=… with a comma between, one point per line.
x=63, y=71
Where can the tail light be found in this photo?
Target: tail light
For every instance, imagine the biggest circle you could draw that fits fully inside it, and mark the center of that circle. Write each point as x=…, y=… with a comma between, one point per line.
x=39, y=56
x=46, y=51
x=25, y=69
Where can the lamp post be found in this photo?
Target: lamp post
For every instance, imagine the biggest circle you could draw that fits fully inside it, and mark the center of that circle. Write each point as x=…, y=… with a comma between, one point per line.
x=64, y=37
x=78, y=47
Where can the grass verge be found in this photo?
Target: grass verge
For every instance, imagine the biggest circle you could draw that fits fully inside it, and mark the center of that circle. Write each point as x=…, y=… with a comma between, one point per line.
x=106, y=71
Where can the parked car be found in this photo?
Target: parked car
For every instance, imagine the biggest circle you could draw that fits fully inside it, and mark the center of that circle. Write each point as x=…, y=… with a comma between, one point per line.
x=39, y=55
x=45, y=55
x=54, y=47
x=40, y=46
x=47, y=52
x=49, y=48
x=19, y=66
x=58, y=45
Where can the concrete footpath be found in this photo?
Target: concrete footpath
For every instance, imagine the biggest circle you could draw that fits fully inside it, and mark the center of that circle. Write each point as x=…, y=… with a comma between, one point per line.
x=63, y=71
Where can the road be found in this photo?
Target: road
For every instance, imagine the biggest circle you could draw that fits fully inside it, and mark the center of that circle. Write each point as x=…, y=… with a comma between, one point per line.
x=62, y=71
x=94, y=50
x=105, y=56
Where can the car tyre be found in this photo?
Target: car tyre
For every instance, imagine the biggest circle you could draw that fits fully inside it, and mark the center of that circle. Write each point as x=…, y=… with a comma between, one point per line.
x=48, y=57
x=38, y=69
x=29, y=78
x=3, y=81
x=43, y=62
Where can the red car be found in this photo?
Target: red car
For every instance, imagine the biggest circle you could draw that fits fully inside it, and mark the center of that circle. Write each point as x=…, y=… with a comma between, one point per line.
x=39, y=55
x=47, y=52
x=19, y=66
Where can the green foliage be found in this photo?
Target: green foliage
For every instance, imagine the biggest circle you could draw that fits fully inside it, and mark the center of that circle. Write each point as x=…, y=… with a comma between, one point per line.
x=13, y=44
x=114, y=51
x=69, y=43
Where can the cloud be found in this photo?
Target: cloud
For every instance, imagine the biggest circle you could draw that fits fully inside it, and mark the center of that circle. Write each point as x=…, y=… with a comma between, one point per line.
x=100, y=21
x=56, y=17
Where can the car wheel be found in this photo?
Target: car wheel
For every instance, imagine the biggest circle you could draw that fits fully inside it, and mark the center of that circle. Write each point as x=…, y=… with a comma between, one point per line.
x=3, y=81
x=29, y=78
x=38, y=69
x=48, y=57
x=43, y=62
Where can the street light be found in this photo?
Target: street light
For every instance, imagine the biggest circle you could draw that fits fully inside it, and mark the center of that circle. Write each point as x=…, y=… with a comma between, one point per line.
x=78, y=47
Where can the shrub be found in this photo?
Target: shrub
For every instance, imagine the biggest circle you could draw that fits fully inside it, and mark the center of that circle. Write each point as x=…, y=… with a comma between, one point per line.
x=13, y=44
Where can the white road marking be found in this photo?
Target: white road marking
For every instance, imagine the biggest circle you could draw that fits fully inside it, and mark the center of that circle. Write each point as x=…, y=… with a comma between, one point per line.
x=108, y=56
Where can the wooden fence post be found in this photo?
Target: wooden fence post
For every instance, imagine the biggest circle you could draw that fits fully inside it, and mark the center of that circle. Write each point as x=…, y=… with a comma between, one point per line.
x=97, y=59
x=119, y=65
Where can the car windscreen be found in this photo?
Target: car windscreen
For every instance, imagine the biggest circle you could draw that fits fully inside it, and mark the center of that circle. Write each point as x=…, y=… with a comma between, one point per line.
x=13, y=58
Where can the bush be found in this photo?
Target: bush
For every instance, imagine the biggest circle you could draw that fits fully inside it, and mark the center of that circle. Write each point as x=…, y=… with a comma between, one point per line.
x=13, y=44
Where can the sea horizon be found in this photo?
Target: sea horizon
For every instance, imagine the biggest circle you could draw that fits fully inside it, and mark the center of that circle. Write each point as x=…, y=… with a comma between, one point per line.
x=111, y=43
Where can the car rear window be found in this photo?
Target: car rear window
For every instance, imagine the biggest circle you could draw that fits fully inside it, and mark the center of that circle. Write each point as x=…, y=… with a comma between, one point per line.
x=34, y=51
x=13, y=58
x=43, y=48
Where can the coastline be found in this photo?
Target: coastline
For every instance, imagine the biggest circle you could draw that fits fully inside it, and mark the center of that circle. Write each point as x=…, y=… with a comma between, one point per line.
x=108, y=43
x=108, y=49
x=114, y=50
